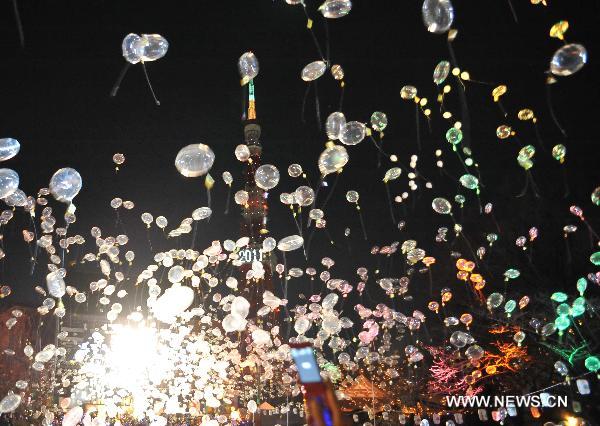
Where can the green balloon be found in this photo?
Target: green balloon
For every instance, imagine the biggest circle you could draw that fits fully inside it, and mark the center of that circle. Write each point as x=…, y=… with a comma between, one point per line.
x=511, y=274
x=581, y=285
x=562, y=322
x=595, y=258
x=596, y=196
x=469, y=181
x=558, y=152
x=577, y=310
x=510, y=306
x=559, y=297
x=592, y=363
x=454, y=135
x=563, y=309
x=525, y=155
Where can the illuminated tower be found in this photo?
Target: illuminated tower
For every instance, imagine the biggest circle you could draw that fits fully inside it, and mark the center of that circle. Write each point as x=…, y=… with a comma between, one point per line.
x=254, y=213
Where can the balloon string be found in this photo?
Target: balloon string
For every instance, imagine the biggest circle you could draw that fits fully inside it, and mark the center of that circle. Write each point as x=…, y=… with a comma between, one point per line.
x=342, y=90
x=156, y=101
x=538, y=137
x=566, y=183
x=552, y=112
x=228, y=202
x=301, y=233
x=194, y=235
x=513, y=11
x=389, y=199
x=244, y=109
x=464, y=107
x=317, y=105
x=331, y=191
x=314, y=37
x=327, y=42
x=117, y=85
x=19, y=23
x=501, y=108
x=302, y=115
x=418, y=126
x=362, y=222
x=379, y=151
x=208, y=198
x=35, y=246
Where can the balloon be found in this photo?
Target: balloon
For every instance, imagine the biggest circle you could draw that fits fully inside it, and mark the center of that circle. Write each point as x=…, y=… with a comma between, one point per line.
x=233, y=322
x=408, y=92
x=441, y=71
x=352, y=133
x=379, y=121
x=441, y=206
x=295, y=170
x=194, y=160
x=118, y=159
x=474, y=352
x=261, y=337
x=293, y=242
x=155, y=47
x=173, y=302
x=148, y=47
x=242, y=152
x=240, y=306
x=331, y=324
x=454, y=135
x=201, y=213
x=352, y=196
x=438, y=15
x=9, y=147
x=335, y=8
x=304, y=195
x=459, y=339
x=568, y=60
x=266, y=177
x=592, y=363
x=176, y=274
x=469, y=181
x=132, y=48
x=392, y=174
x=329, y=301
x=65, y=184
x=334, y=124
x=252, y=406
x=9, y=182
x=494, y=300
x=333, y=159
x=9, y=403
x=248, y=67
x=561, y=368
x=73, y=416
x=269, y=244
x=56, y=283
x=525, y=155
x=313, y=71
x=337, y=72
x=596, y=196
x=302, y=325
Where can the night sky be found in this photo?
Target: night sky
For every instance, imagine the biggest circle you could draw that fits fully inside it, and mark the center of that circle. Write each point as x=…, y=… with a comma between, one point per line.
x=55, y=101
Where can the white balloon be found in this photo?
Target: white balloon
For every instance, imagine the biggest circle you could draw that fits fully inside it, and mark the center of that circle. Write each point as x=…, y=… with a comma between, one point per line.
x=65, y=184
x=9, y=147
x=9, y=182
x=194, y=160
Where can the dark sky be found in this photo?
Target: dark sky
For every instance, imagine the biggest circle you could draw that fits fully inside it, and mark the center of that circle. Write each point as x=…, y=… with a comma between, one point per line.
x=55, y=101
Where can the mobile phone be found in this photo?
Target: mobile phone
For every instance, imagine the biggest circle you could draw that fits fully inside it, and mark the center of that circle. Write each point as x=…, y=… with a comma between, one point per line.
x=306, y=363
